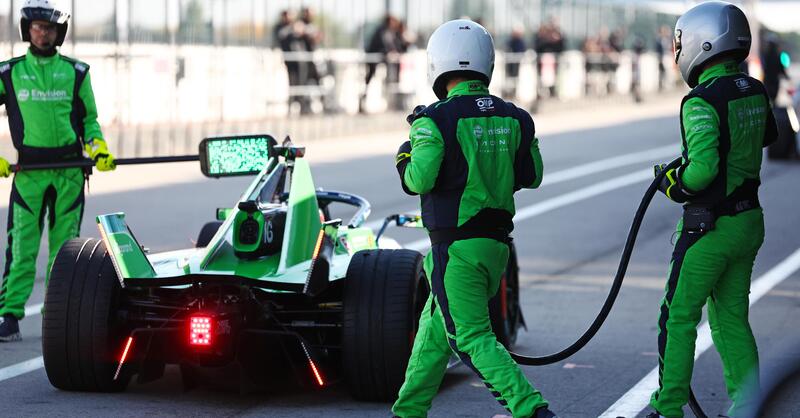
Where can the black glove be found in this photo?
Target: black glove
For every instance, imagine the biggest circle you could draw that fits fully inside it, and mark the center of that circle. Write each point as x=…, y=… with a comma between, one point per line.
x=401, y=161
x=415, y=114
x=670, y=184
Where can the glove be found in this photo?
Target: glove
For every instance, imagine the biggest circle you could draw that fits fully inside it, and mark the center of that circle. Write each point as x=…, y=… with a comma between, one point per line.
x=401, y=161
x=670, y=184
x=98, y=152
x=415, y=114
x=5, y=167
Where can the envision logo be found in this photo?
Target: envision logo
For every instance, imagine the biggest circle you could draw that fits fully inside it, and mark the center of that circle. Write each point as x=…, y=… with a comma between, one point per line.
x=42, y=95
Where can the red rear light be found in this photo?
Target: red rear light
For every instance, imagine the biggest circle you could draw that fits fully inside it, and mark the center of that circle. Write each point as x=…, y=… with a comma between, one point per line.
x=200, y=330
x=123, y=357
x=317, y=374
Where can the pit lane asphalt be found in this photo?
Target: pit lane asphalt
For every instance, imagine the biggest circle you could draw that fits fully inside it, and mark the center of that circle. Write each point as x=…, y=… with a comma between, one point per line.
x=567, y=258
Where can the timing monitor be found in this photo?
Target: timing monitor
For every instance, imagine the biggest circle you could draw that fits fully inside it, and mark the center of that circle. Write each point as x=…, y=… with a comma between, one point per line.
x=239, y=155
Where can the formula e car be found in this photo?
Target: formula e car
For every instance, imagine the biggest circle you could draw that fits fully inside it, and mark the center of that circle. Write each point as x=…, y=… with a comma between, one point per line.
x=274, y=288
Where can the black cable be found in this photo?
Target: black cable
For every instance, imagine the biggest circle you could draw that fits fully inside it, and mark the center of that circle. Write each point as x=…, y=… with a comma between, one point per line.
x=622, y=268
x=615, y=287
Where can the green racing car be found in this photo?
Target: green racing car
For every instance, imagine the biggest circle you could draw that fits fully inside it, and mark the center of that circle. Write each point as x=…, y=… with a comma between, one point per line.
x=274, y=288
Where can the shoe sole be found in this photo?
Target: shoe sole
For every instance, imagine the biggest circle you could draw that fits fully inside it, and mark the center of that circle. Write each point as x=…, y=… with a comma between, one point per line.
x=11, y=338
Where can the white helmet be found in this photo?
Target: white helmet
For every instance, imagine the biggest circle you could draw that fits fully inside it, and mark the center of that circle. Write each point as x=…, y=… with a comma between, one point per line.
x=459, y=46
x=46, y=10
x=707, y=31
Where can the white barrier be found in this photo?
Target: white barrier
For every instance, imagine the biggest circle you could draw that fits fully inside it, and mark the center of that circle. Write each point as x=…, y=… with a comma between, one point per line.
x=159, y=84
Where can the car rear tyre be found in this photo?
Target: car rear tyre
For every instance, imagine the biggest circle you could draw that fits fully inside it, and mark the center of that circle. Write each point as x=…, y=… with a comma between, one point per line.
x=785, y=145
x=206, y=233
x=385, y=291
x=80, y=343
x=504, y=309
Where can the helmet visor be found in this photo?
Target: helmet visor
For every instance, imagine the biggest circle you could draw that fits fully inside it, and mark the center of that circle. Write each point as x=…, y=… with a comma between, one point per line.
x=676, y=45
x=47, y=15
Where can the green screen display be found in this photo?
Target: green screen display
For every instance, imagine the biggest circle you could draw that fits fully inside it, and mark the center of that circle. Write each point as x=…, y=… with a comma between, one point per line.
x=230, y=156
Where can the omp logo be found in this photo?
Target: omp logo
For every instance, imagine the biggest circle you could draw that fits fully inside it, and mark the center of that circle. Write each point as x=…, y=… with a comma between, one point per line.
x=742, y=83
x=477, y=131
x=23, y=95
x=485, y=103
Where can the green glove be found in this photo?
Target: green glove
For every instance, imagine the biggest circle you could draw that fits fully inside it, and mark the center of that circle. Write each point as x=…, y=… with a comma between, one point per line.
x=98, y=151
x=670, y=185
x=401, y=161
x=5, y=167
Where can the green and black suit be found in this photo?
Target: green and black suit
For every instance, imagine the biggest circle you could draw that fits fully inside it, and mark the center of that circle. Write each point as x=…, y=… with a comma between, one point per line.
x=470, y=153
x=725, y=122
x=51, y=110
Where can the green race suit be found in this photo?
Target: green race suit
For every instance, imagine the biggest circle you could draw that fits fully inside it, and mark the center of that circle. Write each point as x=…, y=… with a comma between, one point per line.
x=51, y=110
x=725, y=121
x=470, y=153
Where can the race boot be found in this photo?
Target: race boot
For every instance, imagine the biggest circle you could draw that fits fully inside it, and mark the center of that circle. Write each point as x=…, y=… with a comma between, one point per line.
x=9, y=329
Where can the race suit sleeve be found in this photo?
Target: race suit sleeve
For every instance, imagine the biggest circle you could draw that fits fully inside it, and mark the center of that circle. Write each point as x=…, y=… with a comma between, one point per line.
x=2, y=94
x=701, y=128
x=90, y=125
x=528, y=168
x=427, y=153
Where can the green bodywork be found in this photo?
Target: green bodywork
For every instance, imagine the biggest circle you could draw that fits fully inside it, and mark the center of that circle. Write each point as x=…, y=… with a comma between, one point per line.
x=289, y=266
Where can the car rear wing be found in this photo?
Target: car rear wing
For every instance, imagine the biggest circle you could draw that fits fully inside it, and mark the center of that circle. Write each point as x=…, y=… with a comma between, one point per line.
x=127, y=255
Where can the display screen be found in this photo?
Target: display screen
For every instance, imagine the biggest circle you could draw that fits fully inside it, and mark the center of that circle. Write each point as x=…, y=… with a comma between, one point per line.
x=239, y=155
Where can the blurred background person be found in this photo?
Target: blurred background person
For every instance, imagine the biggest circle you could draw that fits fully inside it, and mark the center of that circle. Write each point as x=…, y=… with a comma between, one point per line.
x=663, y=49
x=297, y=63
x=774, y=71
x=282, y=28
x=549, y=44
x=386, y=42
x=516, y=47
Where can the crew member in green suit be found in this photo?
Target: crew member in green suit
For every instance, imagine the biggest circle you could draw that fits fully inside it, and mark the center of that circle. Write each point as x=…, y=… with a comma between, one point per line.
x=467, y=155
x=52, y=118
x=725, y=121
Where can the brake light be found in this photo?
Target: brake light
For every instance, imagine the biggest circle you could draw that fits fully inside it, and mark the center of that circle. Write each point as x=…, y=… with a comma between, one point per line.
x=314, y=369
x=200, y=330
x=123, y=357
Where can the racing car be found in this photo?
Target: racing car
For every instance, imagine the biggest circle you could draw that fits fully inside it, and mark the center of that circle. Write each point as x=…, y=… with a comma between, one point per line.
x=274, y=288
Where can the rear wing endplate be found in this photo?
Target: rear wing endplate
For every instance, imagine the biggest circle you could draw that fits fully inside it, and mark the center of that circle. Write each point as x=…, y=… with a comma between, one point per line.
x=127, y=255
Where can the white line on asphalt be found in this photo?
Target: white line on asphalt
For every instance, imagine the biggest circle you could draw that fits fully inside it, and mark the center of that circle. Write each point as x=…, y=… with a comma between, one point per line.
x=21, y=368
x=34, y=309
x=564, y=200
x=638, y=397
x=609, y=163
